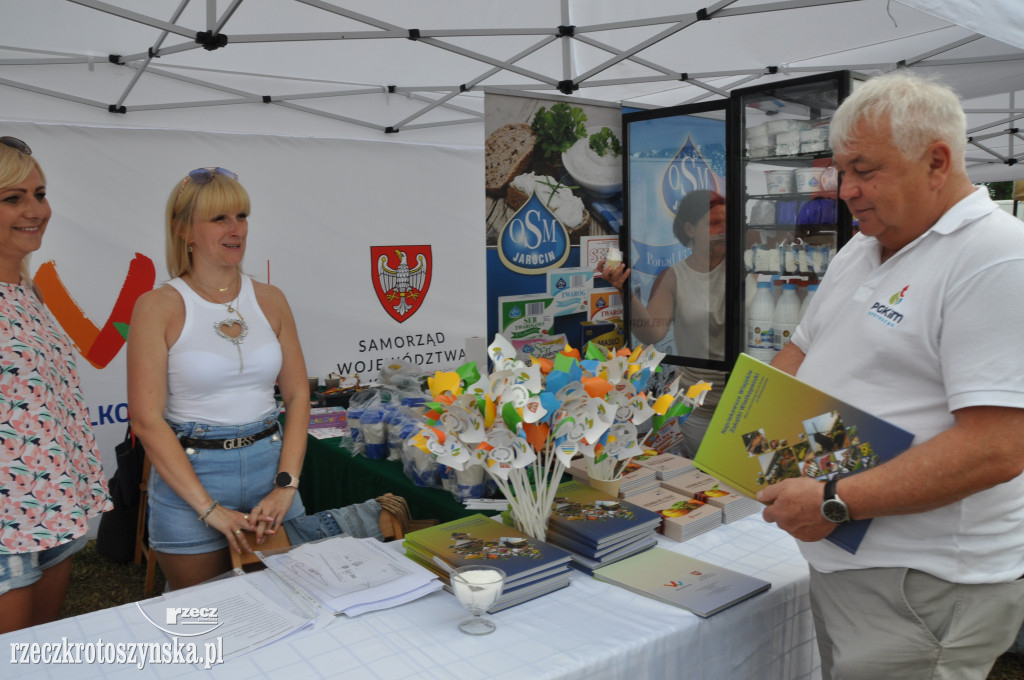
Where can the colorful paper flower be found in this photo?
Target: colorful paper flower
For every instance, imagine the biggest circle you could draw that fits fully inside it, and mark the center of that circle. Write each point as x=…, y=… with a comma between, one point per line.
x=523, y=423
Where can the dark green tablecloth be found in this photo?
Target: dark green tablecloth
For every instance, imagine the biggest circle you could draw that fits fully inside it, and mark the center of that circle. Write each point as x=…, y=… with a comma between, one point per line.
x=332, y=478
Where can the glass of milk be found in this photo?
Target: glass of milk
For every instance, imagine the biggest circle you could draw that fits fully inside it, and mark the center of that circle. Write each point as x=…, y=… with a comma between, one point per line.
x=477, y=588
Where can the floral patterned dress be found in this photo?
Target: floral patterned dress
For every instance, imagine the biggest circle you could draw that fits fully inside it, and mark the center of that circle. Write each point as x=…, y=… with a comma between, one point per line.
x=51, y=481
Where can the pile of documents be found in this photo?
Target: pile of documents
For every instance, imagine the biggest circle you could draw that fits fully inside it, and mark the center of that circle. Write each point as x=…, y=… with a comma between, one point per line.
x=302, y=588
x=351, y=576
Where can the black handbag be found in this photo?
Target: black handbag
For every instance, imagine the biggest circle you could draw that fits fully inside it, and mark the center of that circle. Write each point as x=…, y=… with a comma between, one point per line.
x=115, y=538
x=130, y=455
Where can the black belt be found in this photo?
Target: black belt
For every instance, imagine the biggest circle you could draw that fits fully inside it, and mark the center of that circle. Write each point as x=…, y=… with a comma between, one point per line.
x=236, y=443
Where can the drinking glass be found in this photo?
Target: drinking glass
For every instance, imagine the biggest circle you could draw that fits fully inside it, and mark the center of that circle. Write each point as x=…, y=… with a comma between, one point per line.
x=477, y=588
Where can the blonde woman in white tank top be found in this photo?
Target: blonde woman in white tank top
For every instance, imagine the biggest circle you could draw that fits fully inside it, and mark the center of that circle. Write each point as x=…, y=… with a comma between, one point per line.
x=204, y=353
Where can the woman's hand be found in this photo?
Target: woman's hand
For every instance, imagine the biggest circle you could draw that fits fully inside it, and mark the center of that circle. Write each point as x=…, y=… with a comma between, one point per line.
x=616, y=276
x=233, y=525
x=266, y=517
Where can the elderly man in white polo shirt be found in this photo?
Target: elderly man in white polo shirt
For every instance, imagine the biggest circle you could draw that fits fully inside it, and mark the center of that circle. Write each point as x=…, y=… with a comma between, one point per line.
x=917, y=321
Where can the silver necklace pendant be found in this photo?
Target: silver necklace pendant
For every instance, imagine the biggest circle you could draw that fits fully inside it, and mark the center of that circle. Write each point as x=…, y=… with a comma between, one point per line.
x=236, y=340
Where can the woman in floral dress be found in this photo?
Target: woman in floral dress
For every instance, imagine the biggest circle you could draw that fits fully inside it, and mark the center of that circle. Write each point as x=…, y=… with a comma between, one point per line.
x=51, y=481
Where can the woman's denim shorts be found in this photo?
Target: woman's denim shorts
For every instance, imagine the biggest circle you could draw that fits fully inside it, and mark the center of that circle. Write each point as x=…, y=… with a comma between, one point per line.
x=19, y=570
x=237, y=478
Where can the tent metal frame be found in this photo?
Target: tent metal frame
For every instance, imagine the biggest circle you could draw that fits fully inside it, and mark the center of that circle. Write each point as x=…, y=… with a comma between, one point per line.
x=445, y=98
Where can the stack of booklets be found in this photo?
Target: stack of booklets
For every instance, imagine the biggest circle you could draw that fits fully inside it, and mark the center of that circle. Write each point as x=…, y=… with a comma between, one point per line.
x=598, y=529
x=696, y=586
x=666, y=465
x=705, y=488
x=683, y=517
x=635, y=479
x=770, y=426
x=532, y=568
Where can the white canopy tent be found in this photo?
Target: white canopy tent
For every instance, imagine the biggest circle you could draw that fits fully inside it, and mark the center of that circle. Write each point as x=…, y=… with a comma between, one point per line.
x=358, y=124
x=364, y=69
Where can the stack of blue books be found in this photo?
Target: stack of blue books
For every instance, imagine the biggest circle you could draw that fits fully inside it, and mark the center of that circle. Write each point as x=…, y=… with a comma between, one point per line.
x=598, y=529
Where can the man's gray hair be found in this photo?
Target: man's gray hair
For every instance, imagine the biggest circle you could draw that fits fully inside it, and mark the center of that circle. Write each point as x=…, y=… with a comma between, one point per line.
x=919, y=111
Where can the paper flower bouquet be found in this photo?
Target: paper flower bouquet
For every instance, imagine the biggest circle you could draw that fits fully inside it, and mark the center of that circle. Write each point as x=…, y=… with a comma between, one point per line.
x=524, y=423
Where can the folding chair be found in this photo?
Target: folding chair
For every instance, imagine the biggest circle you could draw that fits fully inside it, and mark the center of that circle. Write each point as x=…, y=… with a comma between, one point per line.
x=142, y=549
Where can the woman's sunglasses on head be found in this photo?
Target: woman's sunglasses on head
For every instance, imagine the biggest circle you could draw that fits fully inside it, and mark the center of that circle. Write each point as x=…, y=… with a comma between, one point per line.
x=202, y=176
x=18, y=145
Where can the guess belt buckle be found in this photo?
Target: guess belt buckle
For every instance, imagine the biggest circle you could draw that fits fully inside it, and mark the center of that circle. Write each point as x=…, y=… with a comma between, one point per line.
x=239, y=442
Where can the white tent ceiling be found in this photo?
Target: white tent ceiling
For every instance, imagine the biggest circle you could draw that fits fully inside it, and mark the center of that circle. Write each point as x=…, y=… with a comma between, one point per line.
x=419, y=68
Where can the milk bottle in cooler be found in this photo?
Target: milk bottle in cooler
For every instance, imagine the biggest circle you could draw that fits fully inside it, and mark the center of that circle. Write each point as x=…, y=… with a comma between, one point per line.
x=760, y=316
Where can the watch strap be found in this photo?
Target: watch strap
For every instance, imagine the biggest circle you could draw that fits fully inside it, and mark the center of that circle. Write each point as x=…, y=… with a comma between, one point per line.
x=830, y=488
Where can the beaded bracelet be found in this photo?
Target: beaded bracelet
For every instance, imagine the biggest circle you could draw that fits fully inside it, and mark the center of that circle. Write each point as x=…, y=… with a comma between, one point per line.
x=202, y=517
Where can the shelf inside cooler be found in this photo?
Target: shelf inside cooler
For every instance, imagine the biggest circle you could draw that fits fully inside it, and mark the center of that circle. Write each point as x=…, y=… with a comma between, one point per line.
x=795, y=195
x=815, y=228
x=790, y=158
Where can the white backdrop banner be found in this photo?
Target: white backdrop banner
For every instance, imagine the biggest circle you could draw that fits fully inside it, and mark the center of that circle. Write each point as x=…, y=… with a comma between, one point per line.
x=332, y=223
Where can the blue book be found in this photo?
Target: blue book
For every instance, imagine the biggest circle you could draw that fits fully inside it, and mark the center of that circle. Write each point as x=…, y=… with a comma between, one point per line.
x=570, y=543
x=622, y=550
x=596, y=519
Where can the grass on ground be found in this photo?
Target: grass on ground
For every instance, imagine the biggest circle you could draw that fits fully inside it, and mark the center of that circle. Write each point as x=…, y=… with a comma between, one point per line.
x=98, y=583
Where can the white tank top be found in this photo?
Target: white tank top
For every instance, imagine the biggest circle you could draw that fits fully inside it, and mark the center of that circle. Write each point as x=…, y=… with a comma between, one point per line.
x=204, y=380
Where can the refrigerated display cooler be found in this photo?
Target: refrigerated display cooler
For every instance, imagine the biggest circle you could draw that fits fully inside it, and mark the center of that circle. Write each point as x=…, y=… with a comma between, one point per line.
x=766, y=150
x=786, y=220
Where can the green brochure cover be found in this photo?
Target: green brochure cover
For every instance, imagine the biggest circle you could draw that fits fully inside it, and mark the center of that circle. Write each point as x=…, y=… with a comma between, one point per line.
x=770, y=426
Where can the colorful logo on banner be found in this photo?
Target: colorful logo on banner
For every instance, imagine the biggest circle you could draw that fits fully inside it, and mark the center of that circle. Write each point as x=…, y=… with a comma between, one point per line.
x=533, y=241
x=689, y=170
x=99, y=345
x=401, y=278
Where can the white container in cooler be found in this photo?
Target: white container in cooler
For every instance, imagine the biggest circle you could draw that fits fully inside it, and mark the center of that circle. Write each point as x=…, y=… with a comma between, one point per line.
x=787, y=125
x=811, y=290
x=760, y=211
x=787, y=143
x=761, y=145
x=808, y=180
x=760, y=335
x=787, y=316
x=815, y=134
x=757, y=130
x=814, y=140
x=780, y=181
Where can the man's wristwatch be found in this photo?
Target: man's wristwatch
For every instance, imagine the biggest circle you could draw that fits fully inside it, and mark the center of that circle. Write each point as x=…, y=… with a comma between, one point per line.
x=832, y=506
x=285, y=480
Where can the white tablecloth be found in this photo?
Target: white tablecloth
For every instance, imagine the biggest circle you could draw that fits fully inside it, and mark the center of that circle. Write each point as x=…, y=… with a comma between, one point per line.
x=588, y=631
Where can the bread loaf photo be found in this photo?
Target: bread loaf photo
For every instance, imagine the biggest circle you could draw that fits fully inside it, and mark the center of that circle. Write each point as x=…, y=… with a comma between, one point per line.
x=507, y=153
